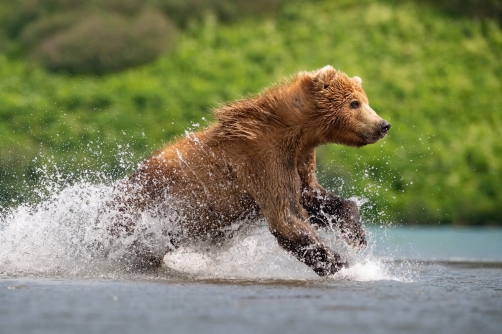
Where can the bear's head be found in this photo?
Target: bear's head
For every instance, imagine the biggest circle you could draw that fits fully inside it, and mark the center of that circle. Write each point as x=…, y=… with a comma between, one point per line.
x=341, y=110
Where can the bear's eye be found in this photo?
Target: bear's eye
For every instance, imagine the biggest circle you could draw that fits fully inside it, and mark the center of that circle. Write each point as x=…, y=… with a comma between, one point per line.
x=326, y=86
x=355, y=104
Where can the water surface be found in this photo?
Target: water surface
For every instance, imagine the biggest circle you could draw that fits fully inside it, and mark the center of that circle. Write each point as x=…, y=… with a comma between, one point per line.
x=414, y=280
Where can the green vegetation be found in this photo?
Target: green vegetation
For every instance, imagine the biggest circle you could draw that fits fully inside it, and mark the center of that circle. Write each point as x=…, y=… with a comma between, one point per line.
x=436, y=76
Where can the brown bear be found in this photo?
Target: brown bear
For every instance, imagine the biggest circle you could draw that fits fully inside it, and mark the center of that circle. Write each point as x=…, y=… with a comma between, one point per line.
x=258, y=159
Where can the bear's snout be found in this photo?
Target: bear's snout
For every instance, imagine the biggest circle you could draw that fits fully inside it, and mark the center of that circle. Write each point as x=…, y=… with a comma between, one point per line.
x=384, y=127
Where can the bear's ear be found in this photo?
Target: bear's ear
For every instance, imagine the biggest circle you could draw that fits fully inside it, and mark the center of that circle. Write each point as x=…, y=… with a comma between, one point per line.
x=324, y=76
x=357, y=81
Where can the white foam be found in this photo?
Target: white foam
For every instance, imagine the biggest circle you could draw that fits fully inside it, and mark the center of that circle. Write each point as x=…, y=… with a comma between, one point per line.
x=251, y=254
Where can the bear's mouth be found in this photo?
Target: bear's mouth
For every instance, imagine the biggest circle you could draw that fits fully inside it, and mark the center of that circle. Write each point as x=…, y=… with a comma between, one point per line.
x=372, y=139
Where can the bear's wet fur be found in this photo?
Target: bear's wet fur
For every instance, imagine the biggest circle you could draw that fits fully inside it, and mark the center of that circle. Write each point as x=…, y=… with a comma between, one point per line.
x=259, y=157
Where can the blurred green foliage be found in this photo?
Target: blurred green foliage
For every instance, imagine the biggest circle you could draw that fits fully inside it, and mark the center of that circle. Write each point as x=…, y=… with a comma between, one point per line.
x=437, y=77
x=101, y=36
x=93, y=37
x=185, y=12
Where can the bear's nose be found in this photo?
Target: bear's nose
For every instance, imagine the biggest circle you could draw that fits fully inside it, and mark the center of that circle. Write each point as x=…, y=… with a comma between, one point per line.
x=384, y=126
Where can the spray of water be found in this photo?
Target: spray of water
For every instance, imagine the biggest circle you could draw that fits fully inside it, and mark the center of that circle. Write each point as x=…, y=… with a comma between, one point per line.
x=60, y=235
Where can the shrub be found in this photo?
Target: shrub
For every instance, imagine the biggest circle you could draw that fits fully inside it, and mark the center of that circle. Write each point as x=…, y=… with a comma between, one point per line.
x=99, y=44
x=44, y=28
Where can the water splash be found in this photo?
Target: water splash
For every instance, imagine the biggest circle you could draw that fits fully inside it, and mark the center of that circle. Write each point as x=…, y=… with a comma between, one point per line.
x=254, y=254
x=49, y=238
x=58, y=236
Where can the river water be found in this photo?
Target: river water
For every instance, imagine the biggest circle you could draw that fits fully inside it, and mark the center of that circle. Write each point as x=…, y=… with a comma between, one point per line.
x=413, y=280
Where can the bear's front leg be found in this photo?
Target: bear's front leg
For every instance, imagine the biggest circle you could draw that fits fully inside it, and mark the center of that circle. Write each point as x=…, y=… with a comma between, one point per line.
x=277, y=191
x=323, y=208
x=288, y=222
x=317, y=256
